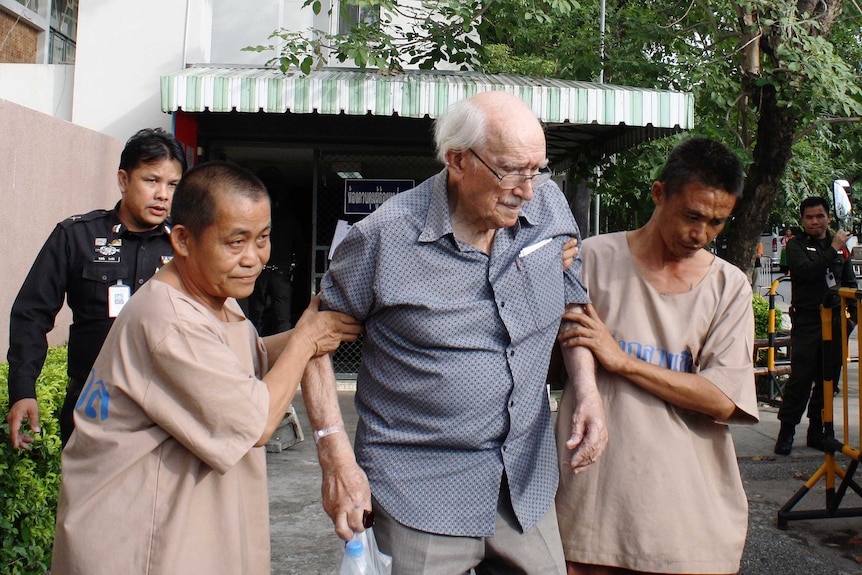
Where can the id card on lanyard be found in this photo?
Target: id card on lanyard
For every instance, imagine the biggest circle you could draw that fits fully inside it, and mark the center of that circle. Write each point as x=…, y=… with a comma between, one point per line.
x=118, y=296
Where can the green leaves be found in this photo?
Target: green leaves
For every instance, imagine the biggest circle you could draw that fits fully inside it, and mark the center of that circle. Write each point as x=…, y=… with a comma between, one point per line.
x=500, y=60
x=730, y=53
x=30, y=480
x=424, y=34
x=761, y=316
x=727, y=53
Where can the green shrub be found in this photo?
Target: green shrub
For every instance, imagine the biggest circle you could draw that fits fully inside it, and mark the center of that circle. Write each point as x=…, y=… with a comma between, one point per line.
x=30, y=480
x=761, y=316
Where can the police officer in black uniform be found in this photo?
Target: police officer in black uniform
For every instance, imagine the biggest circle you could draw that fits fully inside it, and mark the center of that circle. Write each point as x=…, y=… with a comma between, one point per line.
x=95, y=261
x=818, y=261
x=270, y=305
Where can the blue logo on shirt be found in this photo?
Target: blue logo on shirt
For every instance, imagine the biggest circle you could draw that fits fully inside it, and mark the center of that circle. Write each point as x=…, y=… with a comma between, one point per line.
x=683, y=361
x=95, y=391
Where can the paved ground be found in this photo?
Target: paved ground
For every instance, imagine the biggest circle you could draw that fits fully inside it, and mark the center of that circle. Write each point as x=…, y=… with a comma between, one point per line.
x=303, y=541
x=302, y=537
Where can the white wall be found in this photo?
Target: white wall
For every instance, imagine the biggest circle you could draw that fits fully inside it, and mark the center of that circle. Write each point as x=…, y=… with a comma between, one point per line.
x=47, y=88
x=235, y=26
x=123, y=49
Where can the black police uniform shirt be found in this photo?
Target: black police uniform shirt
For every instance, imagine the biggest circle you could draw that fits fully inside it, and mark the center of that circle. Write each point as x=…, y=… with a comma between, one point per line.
x=83, y=257
x=810, y=260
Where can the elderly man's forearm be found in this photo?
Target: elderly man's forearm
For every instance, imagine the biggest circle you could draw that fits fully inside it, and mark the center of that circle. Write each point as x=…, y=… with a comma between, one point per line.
x=320, y=393
x=579, y=361
x=581, y=366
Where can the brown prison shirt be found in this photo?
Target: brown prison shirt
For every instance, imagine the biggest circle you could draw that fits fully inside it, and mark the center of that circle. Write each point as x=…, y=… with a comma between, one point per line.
x=666, y=496
x=161, y=476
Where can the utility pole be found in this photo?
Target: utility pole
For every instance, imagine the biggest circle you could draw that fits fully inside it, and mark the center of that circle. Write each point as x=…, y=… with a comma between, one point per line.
x=598, y=202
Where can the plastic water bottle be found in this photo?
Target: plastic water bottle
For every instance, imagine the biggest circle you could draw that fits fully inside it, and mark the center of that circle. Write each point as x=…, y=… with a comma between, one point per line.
x=356, y=560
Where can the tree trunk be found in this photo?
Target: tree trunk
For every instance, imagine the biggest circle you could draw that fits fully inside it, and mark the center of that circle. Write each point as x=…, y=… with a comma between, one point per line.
x=775, y=130
x=776, y=127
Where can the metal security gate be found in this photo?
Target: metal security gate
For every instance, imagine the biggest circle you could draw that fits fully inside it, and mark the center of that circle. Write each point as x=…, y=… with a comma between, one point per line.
x=332, y=169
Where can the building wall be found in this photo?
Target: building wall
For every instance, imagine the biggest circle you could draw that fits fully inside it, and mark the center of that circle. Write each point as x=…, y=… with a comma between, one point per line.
x=49, y=169
x=118, y=67
x=47, y=88
x=123, y=49
x=234, y=27
x=26, y=78
x=21, y=40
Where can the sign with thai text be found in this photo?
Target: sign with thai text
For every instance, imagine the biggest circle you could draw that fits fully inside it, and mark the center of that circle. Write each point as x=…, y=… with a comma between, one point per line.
x=364, y=196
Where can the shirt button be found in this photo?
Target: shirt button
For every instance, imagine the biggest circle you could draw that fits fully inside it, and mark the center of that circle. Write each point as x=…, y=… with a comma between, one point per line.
x=104, y=278
x=511, y=403
x=140, y=282
x=511, y=353
x=502, y=304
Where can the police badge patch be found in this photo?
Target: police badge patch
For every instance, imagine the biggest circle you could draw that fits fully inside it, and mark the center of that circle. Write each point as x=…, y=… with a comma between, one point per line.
x=106, y=253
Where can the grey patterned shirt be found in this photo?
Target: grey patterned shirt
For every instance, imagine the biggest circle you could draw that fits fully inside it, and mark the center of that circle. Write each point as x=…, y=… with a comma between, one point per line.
x=451, y=391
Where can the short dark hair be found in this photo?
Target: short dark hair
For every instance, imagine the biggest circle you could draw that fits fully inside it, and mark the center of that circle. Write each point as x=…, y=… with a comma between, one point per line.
x=194, y=202
x=813, y=202
x=151, y=145
x=705, y=161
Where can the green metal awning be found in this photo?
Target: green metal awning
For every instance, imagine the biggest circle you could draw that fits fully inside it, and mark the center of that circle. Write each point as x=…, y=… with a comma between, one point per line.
x=575, y=113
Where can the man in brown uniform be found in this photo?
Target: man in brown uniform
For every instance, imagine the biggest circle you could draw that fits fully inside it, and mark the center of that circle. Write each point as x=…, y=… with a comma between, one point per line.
x=672, y=329
x=166, y=472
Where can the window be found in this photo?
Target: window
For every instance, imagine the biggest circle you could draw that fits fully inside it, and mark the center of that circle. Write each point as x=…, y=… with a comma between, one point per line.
x=64, y=31
x=350, y=15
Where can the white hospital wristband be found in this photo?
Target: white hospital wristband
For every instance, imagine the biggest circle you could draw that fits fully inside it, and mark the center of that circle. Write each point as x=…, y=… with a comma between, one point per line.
x=320, y=433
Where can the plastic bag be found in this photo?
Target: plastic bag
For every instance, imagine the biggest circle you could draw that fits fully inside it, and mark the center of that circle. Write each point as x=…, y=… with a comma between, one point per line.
x=363, y=557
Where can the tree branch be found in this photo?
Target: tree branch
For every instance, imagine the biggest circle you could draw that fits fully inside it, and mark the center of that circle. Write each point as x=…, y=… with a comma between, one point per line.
x=814, y=125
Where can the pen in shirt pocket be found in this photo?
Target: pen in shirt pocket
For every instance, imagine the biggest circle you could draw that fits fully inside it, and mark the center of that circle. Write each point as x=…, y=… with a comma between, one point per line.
x=530, y=249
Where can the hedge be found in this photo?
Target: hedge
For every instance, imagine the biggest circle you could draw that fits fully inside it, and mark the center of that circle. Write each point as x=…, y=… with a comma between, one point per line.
x=761, y=317
x=30, y=480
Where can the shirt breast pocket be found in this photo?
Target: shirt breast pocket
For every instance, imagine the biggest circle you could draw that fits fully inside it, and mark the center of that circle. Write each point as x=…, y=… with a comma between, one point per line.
x=104, y=272
x=543, y=275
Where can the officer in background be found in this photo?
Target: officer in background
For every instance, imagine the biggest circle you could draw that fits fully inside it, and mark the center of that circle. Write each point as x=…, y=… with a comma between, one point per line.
x=270, y=305
x=95, y=261
x=818, y=261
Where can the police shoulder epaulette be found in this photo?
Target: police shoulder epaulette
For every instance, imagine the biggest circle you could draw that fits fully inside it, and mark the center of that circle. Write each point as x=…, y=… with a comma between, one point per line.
x=88, y=217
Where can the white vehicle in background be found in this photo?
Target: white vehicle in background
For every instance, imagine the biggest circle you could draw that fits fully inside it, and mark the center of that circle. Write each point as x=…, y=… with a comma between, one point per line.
x=771, y=243
x=844, y=209
x=844, y=215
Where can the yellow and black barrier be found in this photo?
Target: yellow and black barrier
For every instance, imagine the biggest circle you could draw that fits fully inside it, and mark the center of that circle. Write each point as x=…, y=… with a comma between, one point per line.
x=771, y=390
x=830, y=470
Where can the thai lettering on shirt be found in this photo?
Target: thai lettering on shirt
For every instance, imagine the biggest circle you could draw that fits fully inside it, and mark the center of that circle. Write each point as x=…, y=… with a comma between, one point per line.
x=681, y=361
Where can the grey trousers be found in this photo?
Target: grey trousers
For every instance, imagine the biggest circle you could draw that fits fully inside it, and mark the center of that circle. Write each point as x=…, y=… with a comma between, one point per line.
x=539, y=551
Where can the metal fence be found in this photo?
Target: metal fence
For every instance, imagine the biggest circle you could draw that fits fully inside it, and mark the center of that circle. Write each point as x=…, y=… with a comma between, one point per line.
x=763, y=275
